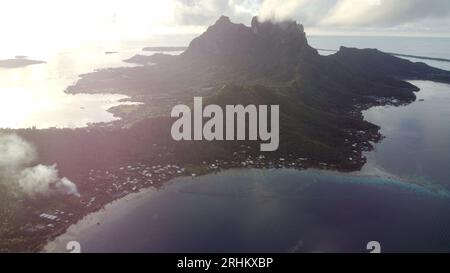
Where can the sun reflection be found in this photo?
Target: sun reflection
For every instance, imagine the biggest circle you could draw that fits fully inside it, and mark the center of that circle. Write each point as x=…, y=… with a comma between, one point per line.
x=34, y=96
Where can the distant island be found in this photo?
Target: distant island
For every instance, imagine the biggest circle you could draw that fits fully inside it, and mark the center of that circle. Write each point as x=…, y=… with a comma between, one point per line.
x=401, y=55
x=19, y=61
x=148, y=60
x=155, y=58
x=420, y=57
x=321, y=100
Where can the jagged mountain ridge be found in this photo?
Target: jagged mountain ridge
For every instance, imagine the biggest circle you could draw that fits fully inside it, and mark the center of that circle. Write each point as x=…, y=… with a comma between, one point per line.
x=263, y=45
x=260, y=51
x=264, y=53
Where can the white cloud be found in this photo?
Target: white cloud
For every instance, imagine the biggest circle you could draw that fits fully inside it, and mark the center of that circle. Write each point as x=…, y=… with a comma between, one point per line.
x=69, y=21
x=385, y=12
x=353, y=15
x=205, y=12
x=308, y=12
x=274, y=10
x=37, y=179
x=15, y=152
x=16, y=172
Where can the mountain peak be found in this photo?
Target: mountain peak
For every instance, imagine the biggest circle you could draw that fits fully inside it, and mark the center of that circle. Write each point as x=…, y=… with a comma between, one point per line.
x=223, y=20
x=286, y=25
x=224, y=24
x=286, y=31
x=263, y=44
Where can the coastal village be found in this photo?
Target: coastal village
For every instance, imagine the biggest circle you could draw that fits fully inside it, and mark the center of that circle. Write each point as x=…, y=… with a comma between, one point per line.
x=103, y=186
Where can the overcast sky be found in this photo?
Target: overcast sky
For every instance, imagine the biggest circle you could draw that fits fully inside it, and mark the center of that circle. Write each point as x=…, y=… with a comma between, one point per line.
x=328, y=16
x=71, y=20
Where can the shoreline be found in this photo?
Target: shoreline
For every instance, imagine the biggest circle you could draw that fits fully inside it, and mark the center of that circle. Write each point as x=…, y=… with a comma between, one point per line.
x=92, y=220
x=93, y=202
x=119, y=207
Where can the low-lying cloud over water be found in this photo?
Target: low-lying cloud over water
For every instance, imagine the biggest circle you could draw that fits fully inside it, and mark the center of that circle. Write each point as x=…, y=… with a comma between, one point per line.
x=18, y=172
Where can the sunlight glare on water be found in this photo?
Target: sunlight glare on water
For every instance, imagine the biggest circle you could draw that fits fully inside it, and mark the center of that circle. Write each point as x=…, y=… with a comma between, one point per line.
x=34, y=95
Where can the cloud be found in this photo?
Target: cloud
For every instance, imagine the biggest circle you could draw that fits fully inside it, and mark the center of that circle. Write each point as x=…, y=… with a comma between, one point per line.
x=15, y=152
x=307, y=12
x=384, y=12
x=16, y=157
x=354, y=13
x=131, y=19
x=328, y=14
x=67, y=187
x=274, y=10
x=42, y=180
x=206, y=12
